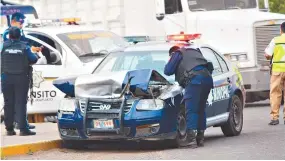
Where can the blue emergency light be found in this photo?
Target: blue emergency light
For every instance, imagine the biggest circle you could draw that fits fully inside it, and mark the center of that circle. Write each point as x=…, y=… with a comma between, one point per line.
x=137, y=39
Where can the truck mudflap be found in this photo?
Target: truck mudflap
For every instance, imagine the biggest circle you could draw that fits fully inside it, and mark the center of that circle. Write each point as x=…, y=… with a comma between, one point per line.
x=113, y=91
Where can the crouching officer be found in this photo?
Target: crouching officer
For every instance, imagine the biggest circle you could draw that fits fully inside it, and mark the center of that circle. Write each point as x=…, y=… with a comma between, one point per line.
x=16, y=58
x=192, y=72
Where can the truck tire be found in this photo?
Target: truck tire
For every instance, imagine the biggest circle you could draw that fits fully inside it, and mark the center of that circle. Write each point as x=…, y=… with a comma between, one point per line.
x=233, y=126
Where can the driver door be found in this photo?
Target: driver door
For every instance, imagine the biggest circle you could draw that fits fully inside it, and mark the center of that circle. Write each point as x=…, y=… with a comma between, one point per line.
x=174, y=21
x=45, y=96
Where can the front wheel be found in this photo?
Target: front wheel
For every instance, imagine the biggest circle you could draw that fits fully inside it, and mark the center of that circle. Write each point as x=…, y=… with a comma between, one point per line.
x=233, y=126
x=181, y=129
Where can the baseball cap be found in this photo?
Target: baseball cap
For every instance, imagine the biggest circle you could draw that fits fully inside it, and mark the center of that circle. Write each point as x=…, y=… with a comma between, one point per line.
x=19, y=17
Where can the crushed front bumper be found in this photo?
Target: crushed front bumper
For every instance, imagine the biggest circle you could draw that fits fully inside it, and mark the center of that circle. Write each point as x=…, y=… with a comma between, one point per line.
x=130, y=125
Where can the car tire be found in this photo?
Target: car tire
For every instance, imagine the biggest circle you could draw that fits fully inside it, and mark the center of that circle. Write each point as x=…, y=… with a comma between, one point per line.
x=181, y=131
x=73, y=144
x=233, y=126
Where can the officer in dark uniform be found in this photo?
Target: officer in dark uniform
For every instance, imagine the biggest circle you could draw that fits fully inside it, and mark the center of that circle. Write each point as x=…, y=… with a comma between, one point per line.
x=16, y=58
x=17, y=20
x=193, y=73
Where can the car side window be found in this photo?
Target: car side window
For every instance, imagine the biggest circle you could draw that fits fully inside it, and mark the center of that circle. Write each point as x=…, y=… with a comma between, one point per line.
x=48, y=56
x=222, y=63
x=210, y=56
x=172, y=6
x=47, y=40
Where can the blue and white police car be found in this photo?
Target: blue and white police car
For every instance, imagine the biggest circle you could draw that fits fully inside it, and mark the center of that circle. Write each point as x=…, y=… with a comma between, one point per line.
x=128, y=97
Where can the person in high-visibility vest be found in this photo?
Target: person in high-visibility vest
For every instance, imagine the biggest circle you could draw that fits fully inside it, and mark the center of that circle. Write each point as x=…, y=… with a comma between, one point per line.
x=276, y=51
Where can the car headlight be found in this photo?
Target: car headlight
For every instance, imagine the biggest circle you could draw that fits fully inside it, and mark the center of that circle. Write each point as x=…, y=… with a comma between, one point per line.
x=68, y=105
x=237, y=56
x=150, y=104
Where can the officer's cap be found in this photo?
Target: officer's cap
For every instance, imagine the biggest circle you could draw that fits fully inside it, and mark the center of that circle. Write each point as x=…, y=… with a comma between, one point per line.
x=19, y=17
x=14, y=33
x=173, y=49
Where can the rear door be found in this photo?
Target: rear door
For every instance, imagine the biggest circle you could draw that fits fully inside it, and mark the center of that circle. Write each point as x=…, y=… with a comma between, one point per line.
x=218, y=98
x=224, y=91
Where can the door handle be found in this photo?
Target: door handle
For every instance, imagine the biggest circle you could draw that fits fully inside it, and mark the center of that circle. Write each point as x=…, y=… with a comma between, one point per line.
x=229, y=80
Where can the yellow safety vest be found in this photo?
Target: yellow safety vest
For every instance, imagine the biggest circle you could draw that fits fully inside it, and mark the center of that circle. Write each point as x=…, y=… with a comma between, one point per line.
x=279, y=54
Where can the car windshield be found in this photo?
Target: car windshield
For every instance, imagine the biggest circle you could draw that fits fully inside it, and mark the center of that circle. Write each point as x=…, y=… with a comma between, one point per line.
x=209, y=5
x=134, y=60
x=88, y=45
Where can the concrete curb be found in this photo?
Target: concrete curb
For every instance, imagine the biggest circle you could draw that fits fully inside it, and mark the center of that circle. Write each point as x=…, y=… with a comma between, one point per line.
x=21, y=149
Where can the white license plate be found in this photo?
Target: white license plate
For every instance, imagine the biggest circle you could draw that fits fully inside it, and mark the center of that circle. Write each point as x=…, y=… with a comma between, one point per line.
x=103, y=124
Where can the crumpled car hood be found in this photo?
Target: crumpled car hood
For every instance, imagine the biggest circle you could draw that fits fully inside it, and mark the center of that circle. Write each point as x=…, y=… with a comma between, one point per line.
x=109, y=85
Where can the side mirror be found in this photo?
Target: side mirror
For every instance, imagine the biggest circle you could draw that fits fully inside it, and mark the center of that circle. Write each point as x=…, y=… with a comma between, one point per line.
x=54, y=57
x=159, y=9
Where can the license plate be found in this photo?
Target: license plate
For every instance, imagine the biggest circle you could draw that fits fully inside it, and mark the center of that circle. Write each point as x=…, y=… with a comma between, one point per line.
x=103, y=124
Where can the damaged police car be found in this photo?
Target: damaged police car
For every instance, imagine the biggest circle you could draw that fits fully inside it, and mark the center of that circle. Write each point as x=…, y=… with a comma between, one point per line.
x=128, y=97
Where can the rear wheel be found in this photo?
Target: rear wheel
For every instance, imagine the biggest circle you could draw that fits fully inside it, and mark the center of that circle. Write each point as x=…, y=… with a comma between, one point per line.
x=233, y=126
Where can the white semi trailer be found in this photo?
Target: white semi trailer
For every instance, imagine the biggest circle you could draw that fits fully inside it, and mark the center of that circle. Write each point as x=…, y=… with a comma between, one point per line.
x=238, y=28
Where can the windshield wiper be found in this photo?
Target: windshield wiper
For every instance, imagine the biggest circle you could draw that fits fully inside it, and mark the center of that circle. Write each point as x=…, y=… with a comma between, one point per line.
x=93, y=54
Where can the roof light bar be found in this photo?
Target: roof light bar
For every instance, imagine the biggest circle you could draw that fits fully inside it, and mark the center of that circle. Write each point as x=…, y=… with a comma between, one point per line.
x=42, y=22
x=183, y=37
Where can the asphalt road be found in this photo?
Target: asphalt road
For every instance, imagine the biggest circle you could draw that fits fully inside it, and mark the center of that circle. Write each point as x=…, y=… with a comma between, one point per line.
x=257, y=141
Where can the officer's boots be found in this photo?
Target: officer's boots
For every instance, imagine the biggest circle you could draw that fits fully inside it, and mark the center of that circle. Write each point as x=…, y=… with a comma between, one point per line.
x=200, y=138
x=27, y=132
x=11, y=132
x=190, y=142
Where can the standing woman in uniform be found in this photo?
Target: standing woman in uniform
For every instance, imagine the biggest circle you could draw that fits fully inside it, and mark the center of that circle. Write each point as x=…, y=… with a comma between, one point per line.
x=16, y=58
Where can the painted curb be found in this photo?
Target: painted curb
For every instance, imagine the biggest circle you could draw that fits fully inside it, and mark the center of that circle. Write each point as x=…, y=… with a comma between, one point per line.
x=29, y=148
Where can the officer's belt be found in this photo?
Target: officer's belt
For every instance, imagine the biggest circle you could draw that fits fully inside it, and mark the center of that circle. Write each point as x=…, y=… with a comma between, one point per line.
x=189, y=75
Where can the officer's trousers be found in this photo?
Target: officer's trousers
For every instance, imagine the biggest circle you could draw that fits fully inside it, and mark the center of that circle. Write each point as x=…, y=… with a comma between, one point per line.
x=15, y=91
x=277, y=84
x=195, y=102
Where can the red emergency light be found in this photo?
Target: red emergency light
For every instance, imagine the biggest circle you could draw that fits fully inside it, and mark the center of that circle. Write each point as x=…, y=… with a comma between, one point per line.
x=183, y=37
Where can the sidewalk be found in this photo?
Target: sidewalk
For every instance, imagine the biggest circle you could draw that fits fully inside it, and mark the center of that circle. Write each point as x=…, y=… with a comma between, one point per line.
x=47, y=137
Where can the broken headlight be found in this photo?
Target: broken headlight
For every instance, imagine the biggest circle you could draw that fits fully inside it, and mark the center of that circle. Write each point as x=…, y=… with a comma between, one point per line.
x=67, y=105
x=150, y=104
